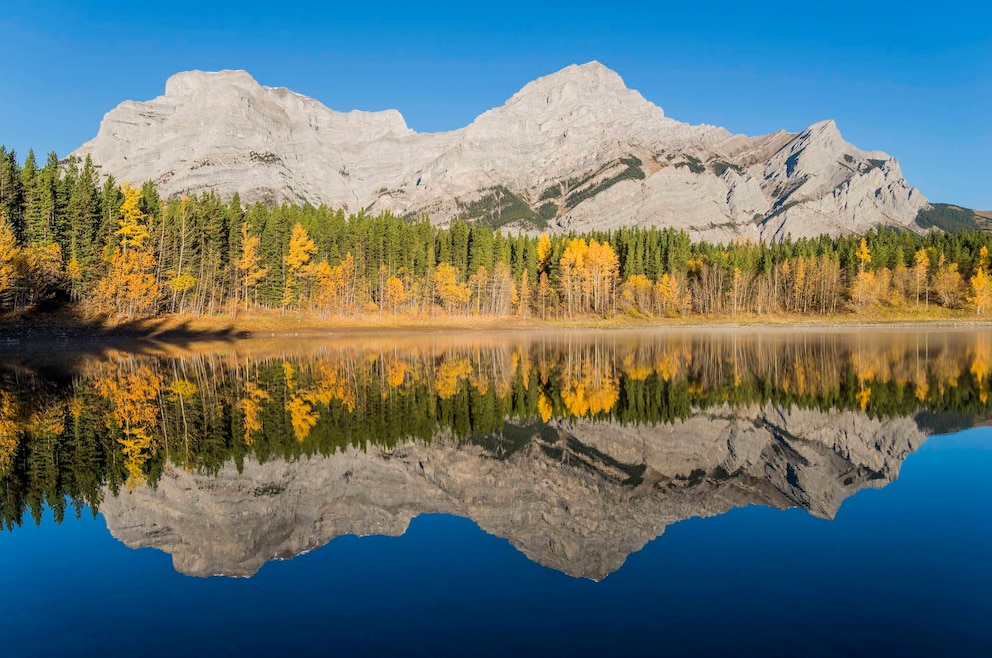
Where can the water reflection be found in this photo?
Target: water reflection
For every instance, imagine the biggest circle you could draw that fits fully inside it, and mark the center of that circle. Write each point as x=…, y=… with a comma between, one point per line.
x=577, y=449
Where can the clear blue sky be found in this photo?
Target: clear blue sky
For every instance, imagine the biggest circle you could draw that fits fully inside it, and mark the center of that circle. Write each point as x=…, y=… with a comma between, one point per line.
x=914, y=80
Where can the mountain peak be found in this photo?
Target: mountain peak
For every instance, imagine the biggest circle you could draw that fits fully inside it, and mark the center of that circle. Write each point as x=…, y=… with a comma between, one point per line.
x=188, y=83
x=591, y=76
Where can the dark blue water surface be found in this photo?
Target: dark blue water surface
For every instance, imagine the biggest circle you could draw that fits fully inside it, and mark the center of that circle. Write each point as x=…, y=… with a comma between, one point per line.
x=902, y=570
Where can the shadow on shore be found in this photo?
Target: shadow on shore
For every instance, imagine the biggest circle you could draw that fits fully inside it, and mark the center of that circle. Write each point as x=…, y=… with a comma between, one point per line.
x=58, y=340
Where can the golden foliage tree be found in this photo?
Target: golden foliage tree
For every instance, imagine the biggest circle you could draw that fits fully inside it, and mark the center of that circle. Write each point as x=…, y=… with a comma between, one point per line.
x=251, y=406
x=129, y=290
x=394, y=294
x=981, y=290
x=133, y=392
x=9, y=252
x=524, y=296
x=543, y=252
x=948, y=283
x=921, y=269
x=450, y=291
x=297, y=261
x=249, y=264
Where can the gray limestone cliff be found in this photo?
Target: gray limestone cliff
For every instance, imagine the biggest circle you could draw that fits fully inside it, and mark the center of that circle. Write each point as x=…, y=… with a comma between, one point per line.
x=574, y=150
x=577, y=496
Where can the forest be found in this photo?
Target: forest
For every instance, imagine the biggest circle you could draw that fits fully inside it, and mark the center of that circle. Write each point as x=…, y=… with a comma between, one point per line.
x=118, y=252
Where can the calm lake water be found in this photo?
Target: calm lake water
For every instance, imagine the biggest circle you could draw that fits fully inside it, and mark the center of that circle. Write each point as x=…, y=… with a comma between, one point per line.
x=758, y=492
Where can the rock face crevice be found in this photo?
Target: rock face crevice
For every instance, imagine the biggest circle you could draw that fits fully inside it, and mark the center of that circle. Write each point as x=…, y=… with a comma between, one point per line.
x=573, y=150
x=578, y=497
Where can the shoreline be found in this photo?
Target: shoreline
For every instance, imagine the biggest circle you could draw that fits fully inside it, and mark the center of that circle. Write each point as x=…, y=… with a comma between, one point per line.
x=179, y=329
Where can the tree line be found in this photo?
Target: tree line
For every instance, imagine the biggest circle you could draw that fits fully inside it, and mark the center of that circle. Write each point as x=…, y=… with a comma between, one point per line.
x=122, y=252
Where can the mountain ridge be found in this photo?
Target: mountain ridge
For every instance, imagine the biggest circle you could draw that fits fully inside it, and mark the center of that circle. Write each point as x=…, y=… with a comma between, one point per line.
x=572, y=150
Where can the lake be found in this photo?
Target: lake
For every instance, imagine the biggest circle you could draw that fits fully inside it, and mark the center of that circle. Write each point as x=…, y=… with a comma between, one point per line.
x=754, y=491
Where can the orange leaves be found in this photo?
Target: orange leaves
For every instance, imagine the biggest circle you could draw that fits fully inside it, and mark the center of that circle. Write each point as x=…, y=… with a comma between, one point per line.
x=981, y=290
x=589, y=385
x=669, y=297
x=863, y=254
x=334, y=287
x=132, y=390
x=636, y=293
x=129, y=290
x=394, y=295
x=133, y=230
x=302, y=416
x=449, y=375
x=864, y=397
x=251, y=406
x=543, y=252
x=981, y=369
x=544, y=407
x=301, y=249
x=588, y=273
x=396, y=370
x=249, y=264
x=450, y=291
x=9, y=434
x=8, y=256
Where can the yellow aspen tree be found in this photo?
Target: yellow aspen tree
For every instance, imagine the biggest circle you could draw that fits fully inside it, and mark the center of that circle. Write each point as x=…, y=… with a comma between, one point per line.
x=251, y=406
x=865, y=282
x=571, y=268
x=863, y=254
x=8, y=258
x=301, y=250
x=543, y=253
x=635, y=293
x=249, y=264
x=543, y=294
x=450, y=291
x=326, y=291
x=981, y=290
x=601, y=270
x=921, y=268
x=523, y=303
x=129, y=290
x=948, y=283
x=667, y=295
x=394, y=295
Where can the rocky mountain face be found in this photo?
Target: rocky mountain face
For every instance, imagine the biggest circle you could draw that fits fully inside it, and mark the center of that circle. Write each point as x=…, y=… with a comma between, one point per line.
x=576, y=496
x=575, y=150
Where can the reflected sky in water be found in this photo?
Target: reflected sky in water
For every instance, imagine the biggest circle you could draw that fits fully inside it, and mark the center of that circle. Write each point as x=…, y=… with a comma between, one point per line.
x=791, y=521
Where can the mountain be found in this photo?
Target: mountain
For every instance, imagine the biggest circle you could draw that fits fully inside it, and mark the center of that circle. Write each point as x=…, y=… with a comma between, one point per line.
x=574, y=150
x=577, y=496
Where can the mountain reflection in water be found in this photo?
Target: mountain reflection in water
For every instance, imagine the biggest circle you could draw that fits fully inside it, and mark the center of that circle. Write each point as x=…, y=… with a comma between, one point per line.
x=577, y=449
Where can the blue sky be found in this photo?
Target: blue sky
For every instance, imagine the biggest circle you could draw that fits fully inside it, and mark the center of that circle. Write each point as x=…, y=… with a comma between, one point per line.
x=912, y=80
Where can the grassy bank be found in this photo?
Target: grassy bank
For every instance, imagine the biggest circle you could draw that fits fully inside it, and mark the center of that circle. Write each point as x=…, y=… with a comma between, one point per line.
x=264, y=322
